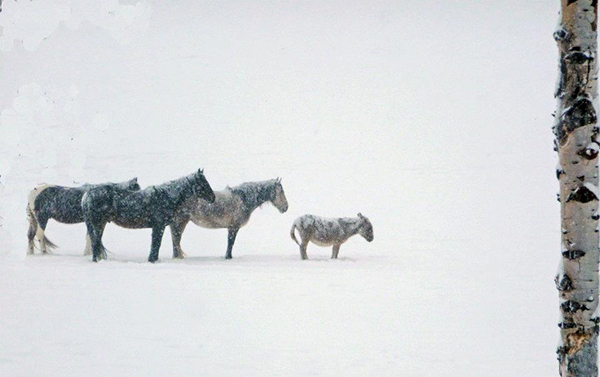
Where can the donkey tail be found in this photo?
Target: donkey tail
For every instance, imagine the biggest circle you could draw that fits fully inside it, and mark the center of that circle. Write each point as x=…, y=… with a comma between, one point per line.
x=293, y=235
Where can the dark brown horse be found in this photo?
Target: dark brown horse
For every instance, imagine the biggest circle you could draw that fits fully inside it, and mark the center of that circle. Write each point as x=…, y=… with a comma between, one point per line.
x=154, y=207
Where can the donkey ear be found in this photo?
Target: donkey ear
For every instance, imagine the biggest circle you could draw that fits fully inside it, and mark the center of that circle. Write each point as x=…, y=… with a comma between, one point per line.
x=135, y=179
x=278, y=179
x=360, y=215
x=200, y=171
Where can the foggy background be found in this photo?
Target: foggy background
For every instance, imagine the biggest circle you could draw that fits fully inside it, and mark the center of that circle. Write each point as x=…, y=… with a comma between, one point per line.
x=432, y=118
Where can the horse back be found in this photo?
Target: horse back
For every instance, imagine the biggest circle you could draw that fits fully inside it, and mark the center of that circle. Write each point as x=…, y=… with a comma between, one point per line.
x=62, y=204
x=225, y=212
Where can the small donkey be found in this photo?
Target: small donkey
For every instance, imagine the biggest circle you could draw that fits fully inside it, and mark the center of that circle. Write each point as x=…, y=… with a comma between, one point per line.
x=329, y=232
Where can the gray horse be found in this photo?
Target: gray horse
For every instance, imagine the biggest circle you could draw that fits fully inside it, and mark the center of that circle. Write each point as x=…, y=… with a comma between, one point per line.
x=324, y=231
x=232, y=209
x=62, y=204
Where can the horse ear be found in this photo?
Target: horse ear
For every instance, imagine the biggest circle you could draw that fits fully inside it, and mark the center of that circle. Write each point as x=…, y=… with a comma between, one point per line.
x=135, y=179
x=360, y=215
x=278, y=179
x=200, y=171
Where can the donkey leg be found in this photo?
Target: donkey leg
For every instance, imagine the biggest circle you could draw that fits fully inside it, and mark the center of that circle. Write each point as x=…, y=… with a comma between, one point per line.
x=230, y=241
x=157, y=233
x=177, y=229
x=335, y=251
x=303, y=247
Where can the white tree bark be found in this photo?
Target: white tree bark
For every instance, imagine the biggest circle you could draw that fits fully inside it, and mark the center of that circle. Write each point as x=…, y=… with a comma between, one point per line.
x=576, y=134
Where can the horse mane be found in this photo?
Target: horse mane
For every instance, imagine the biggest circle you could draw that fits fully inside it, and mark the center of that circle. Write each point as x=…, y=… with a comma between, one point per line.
x=175, y=187
x=254, y=193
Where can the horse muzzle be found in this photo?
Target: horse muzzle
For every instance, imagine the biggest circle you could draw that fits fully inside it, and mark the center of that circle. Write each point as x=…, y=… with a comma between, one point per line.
x=211, y=197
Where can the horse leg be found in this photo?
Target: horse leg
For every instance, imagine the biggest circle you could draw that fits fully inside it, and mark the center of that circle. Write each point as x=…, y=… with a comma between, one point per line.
x=230, y=241
x=335, y=251
x=33, y=226
x=42, y=223
x=88, y=245
x=95, y=241
x=157, y=233
x=177, y=229
x=303, y=247
x=95, y=232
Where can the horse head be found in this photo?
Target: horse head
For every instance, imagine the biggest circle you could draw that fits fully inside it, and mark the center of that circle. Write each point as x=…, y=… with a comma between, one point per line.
x=278, y=196
x=133, y=185
x=202, y=188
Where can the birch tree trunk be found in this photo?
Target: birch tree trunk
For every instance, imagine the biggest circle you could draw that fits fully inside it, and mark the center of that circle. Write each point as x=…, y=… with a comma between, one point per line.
x=576, y=142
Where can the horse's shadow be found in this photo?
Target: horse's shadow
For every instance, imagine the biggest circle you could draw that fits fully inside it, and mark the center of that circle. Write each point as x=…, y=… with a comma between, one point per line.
x=202, y=259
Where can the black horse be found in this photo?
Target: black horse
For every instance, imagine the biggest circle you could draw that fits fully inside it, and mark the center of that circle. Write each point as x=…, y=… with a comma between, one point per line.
x=62, y=204
x=154, y=207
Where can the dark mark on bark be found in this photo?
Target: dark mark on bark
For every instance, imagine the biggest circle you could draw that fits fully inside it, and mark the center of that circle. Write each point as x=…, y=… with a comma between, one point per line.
x=565, y=284
x=578, y=57
x=573, y=254
x=582, y=194
x=567, y=325
x=588, y=153
x=580, y=114
x=572, y=306
x=560, y=35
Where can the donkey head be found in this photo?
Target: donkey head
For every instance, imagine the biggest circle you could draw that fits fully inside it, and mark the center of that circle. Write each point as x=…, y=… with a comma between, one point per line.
x=366, y=229
x=278, y=196
x=202, y=188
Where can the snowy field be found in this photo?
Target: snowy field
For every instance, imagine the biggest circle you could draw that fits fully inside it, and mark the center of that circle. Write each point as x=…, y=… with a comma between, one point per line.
x=432, y=118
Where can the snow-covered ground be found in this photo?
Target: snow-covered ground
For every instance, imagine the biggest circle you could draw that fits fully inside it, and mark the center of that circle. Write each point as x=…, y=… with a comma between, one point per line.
x=432, y=118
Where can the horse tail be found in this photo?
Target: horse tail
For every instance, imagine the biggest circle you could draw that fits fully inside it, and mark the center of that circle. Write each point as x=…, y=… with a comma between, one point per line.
x=293, y=235
x=34, y=194
x=49, y=243
x=32, y=216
